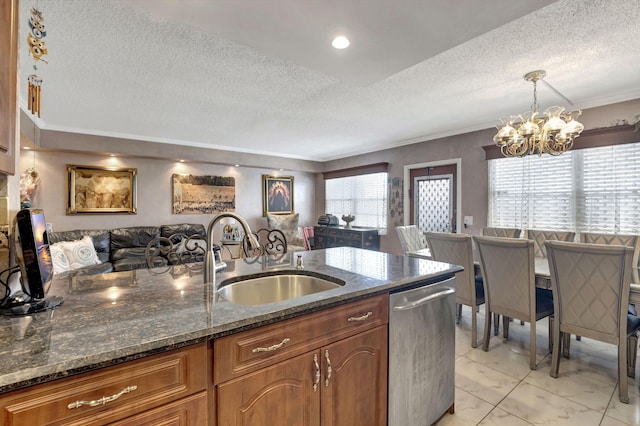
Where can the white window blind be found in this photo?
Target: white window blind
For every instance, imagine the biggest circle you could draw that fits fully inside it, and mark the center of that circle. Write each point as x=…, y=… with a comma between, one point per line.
x=588, y=190
x=364, y=196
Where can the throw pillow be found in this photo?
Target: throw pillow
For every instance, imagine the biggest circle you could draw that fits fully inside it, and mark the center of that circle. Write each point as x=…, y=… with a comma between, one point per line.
x=80, y=253
x=59, y=259
x=288, y=224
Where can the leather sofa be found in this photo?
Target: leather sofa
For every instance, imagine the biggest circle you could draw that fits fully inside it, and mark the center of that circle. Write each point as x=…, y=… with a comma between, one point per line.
x=123, y=249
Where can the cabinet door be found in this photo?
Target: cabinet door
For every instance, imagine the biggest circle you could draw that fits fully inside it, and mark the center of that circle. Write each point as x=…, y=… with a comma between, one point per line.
x=282, y=394
x=354, y=392
x=9, y=109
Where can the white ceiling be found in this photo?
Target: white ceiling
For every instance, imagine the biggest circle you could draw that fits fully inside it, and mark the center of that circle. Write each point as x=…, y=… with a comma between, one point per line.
x=260, y=75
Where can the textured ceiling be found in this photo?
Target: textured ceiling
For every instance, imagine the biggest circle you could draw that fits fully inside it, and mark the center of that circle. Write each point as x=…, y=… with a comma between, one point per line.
x=259, y=75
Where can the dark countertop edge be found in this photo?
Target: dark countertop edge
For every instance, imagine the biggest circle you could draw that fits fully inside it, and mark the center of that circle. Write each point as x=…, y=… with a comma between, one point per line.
x=164, y=345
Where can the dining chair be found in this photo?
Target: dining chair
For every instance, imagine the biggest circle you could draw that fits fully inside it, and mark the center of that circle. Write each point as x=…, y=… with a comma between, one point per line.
x=508, y=272
x=590, y=284
x=539, y=237
x=411, y=238
x=632, y=241
x=501, y=232
x=458, y=249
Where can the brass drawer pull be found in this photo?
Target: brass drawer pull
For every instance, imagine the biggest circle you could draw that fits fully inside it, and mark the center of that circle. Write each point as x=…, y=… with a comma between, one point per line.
x=103, y=400
x=329, y=369
x=361, y=318
x=272, y=347
x=317, y=368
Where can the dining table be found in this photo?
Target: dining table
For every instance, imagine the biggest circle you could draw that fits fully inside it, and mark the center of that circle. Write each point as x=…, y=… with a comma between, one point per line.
x=543, y=278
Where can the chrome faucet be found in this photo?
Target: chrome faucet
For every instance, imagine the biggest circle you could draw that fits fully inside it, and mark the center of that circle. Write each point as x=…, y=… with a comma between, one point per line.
x=210, y=264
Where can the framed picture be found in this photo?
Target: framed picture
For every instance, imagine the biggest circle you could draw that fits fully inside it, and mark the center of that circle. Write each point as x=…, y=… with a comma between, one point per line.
x=277, y=194
x=203, y=194
x=101, y=190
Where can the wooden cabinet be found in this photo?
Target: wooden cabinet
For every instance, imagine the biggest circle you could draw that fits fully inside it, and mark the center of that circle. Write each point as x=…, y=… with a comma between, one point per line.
x=338, y=236
x=326, y=368
x=9, y=111
x=171, y=385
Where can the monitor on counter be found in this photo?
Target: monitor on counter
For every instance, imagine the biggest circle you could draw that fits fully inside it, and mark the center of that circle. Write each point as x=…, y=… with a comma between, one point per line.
x=33, y=257
x=32, y=252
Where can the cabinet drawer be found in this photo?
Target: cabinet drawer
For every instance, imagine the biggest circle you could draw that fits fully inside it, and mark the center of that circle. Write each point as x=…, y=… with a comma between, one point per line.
x=158, y=379
x=251, y=350
x=189, y=411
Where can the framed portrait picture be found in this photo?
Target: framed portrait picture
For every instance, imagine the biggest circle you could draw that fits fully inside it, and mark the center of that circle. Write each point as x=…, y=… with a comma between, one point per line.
x=101, y=190
x=277, y=194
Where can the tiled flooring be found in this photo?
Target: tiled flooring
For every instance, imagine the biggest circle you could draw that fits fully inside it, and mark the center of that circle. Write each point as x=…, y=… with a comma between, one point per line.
x=498, y=388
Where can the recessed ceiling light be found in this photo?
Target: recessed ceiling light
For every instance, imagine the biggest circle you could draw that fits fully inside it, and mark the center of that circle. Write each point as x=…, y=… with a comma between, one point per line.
x=26, y=148
x=182, y=161
x=237, y=165
x=340, y=42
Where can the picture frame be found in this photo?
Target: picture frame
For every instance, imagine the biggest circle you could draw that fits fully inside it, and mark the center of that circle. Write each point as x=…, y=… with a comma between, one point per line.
x=277, y=195
x=194, y=194
x=101, y=190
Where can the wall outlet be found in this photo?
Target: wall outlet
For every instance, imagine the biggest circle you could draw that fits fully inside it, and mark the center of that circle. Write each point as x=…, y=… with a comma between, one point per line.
x=468, y=221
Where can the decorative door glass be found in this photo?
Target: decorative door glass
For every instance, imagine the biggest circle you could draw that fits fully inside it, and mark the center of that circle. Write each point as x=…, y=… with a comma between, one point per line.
x=433, y=203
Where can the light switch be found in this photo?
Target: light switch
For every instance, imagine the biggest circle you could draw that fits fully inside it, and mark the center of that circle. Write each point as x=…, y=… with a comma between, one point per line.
x=468, y=220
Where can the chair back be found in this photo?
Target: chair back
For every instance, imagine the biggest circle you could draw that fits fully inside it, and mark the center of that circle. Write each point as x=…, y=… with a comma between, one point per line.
x=410, y=238
x=272, y=241
x=539, y=237
x=632, y=241
x=458, y=250
x=508, y=271
x=590, y=284
x=501, y=232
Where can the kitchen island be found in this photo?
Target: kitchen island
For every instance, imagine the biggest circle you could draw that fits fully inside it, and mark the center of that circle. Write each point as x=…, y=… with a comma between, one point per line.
x=111, y=319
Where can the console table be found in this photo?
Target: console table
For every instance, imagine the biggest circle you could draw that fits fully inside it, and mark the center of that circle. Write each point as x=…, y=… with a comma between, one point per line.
x=339, y=236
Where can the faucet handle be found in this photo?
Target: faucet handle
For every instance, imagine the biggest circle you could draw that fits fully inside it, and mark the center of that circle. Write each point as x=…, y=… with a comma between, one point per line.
x=216, y=253
x=299, y=262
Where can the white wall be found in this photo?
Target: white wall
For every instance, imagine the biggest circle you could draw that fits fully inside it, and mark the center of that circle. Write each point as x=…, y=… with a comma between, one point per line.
x=155, y=191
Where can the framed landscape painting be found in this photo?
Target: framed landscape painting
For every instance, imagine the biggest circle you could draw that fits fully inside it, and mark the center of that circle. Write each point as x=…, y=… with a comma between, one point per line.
x=203, y=194
x=277, y=194
x=101, y=190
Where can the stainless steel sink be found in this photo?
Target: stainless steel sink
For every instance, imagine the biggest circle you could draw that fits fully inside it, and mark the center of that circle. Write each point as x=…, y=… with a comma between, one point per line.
x=275, y=287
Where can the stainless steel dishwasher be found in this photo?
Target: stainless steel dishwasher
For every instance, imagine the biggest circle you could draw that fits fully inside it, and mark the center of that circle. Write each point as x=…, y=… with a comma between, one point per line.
x=422, y=354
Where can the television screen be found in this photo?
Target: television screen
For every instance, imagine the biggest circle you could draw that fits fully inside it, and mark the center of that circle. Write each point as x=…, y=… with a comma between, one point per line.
x=32, y=252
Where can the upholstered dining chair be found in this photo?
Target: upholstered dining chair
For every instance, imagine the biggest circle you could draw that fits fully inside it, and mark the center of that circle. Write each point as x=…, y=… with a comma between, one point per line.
x=590, y=284
x=632, y=241
x=410, y=238
x=539, y=237
x=501, y=232
x=508, y=271
x=458, y=249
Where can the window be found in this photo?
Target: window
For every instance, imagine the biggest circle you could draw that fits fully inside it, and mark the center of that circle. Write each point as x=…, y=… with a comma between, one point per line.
x=364, y=196
x=587, y=190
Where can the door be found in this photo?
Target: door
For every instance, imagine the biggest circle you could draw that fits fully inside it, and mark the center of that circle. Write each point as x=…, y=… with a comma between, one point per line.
x=433, y=201
x=282, y=394
x=354, y=383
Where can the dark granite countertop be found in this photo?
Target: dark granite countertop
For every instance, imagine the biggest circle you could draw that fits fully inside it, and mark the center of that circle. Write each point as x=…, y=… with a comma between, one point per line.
x=111, y=318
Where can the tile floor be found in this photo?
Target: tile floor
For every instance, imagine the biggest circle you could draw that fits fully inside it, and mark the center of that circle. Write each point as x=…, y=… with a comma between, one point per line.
x=498, y=388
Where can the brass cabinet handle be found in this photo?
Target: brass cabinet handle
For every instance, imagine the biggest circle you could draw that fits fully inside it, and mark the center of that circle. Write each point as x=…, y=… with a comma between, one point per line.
x=272, y=347
x=103, y=400
x=361, y=317
x=317, y=377
x=329, y=370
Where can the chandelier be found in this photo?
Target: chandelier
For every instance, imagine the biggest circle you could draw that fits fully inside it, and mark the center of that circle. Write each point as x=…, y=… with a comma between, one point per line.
x=528, y=133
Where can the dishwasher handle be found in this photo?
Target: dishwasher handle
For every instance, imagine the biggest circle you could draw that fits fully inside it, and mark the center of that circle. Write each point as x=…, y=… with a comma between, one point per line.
x=414, y=304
